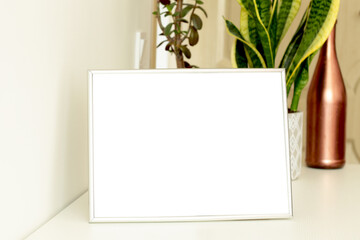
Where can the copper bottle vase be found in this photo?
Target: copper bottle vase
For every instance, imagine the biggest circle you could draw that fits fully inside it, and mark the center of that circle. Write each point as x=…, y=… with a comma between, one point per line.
x=326, y=111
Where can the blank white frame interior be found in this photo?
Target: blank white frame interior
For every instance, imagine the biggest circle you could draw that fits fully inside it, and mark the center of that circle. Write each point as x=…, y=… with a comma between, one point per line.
x=189, y=145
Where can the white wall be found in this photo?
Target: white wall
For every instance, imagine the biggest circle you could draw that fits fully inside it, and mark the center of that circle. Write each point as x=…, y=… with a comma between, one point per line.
x=46, y=48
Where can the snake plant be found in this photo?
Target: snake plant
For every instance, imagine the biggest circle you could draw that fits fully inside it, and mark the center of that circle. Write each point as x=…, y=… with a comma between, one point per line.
x=263, y=25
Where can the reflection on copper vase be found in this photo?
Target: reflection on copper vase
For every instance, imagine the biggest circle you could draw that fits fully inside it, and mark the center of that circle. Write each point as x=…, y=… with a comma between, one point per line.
x=326, y=110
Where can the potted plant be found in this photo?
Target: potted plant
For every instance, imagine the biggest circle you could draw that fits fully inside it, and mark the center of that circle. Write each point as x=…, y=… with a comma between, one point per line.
x=183, y=28
x=263, y=25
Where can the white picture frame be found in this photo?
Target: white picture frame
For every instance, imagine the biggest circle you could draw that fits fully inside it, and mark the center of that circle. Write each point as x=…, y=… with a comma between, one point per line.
x=188, y=145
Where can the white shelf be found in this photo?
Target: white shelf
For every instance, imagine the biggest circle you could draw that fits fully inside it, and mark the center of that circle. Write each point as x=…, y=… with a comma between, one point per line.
x=326, y=206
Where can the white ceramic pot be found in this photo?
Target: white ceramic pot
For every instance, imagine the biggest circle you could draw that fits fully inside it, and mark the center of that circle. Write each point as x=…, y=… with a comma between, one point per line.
x=295, y=141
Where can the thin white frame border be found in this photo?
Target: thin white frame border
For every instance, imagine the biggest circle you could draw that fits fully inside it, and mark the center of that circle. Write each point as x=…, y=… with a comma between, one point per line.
x=93, y=219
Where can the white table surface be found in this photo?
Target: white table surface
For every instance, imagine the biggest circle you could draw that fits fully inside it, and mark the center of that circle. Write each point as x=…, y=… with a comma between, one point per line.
x=326, y=206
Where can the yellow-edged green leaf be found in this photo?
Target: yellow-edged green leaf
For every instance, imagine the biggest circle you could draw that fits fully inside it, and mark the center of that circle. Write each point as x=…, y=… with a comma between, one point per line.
x=273, y=27
x=274, y=10
x=295, y=42
x=257, y=10
x=248, y=5
x=291, y=51
x=248, y=29
x=322, y=17
x=250, y=34
x=301, y=80
x=250, y=62
x=238, y=55
x=264, y=8
x=264, y=38
x=235, y=32
x=288, y=9
x=244, y=25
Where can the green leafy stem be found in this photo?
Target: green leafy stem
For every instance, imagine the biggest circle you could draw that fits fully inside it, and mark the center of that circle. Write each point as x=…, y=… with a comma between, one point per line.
x=177, y=39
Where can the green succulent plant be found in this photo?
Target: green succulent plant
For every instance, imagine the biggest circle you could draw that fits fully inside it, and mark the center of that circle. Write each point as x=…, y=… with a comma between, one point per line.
x=183, y=28
x=263, y=25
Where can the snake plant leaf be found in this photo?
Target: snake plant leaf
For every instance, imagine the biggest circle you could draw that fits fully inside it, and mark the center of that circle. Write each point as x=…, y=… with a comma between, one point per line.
x=301, y=80
x=235, y=32
x=288, y=9
x=238, y=55
x=274, y=7
x=264, y=38
x=322, y=17
x=291, y=51
x=253, y=60
x=244, y=25
x=273, y=27
x=249, y=31
x=259, y=14
x=264, y=8
x=248, y=5
x=294, y=43
x=248, y=57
